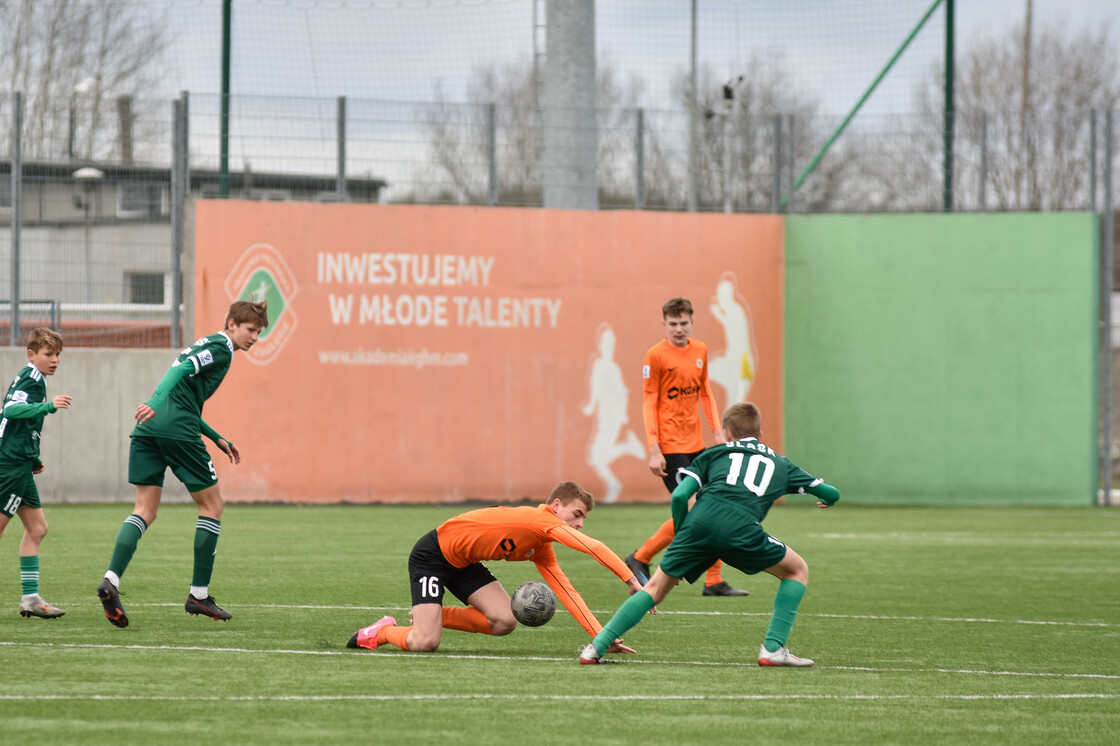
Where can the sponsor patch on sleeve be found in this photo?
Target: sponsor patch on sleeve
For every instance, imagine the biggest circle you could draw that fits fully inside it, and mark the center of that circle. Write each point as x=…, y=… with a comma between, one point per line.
x=205, y=357
x=645, y=371
x=19, y=396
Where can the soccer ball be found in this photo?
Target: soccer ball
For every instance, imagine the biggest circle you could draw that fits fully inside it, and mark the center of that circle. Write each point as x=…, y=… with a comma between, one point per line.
x=533, y=603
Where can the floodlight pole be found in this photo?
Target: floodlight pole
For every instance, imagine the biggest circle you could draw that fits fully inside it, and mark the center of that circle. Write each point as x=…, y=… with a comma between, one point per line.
x=693, y=124
x=88, y=177
x=180, y=186
x=1107, y=269
x=223, y=158
x=16, y=161
x=950, y=33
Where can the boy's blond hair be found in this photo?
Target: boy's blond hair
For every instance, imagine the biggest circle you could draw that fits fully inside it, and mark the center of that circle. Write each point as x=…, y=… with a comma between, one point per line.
x=566, y=492
x=743, y=420
x=44, y=337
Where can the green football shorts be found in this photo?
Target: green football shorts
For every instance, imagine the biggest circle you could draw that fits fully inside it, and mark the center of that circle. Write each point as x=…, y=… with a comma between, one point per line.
x=17, y=489
x=189, y=461
x=713, y=530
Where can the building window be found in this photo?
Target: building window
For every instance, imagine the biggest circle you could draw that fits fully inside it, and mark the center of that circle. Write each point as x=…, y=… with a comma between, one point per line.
x=144, y=287
x=141, y=200
x=5, y=191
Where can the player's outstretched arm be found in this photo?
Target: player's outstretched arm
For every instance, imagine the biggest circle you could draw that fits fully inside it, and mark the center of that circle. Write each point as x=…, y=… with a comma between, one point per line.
x=826, y=494
x=566, y=593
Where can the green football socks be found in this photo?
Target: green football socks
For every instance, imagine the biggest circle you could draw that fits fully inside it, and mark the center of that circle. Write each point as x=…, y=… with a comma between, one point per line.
x=206, y=533
x=628, y=615
x=29, y=574
x=786, y=601
x=128, y=537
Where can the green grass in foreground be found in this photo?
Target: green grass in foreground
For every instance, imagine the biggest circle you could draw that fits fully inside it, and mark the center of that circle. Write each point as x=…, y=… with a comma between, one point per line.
x=928, y=625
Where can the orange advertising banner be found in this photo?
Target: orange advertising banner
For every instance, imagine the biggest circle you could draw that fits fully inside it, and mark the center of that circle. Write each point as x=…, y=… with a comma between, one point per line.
x=442, y=354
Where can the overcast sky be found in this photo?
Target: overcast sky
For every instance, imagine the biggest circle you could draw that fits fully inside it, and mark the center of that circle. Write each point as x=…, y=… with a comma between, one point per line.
x=406, y=50
x=379, y=52
x=977, y=16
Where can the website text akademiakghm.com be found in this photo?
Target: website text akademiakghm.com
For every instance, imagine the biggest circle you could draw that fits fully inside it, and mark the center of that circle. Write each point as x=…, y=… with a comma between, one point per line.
x=396, y=358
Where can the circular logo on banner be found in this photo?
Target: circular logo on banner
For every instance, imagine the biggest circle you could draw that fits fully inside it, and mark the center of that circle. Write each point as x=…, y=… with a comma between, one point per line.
x=262, y=274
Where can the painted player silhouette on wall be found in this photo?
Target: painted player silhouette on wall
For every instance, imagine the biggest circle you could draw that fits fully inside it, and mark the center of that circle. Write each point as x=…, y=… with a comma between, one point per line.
x=734, y=367
x=607, y=402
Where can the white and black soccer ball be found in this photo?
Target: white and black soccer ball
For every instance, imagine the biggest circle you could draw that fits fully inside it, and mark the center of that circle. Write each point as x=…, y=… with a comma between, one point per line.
x=533, y=603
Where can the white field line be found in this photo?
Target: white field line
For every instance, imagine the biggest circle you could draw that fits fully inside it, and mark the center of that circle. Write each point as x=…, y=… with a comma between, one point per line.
x=572, y=659
x=1067, y=538
x=606, y=613
x=537, y=697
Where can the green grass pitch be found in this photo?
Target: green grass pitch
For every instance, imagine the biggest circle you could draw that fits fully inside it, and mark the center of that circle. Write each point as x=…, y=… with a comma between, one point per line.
x=928, y=625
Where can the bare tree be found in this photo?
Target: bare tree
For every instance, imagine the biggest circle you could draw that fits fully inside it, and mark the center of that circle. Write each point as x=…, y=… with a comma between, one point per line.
x=459, y=141
x=763, y=93
x=617, y=103
x=71, y=57
x=459, y=137
x=1032, y=134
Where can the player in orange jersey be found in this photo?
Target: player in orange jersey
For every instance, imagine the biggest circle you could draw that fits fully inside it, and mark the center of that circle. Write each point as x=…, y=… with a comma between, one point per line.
x=450, y=558
x=675, y=374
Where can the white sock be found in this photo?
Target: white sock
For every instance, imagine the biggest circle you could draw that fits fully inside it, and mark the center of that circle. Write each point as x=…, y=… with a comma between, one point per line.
x=113, y=578
x=200, y=591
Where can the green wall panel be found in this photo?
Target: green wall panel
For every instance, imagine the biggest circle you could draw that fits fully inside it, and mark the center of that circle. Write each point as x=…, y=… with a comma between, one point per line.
x=944, y=359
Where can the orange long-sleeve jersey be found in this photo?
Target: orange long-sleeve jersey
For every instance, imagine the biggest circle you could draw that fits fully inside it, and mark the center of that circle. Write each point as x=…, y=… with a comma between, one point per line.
x=674, y=380
x=517, y=534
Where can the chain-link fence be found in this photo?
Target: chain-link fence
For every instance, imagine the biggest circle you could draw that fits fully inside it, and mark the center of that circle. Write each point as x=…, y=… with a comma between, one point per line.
x=94, y=223
x=745, y=161
x=91, y=218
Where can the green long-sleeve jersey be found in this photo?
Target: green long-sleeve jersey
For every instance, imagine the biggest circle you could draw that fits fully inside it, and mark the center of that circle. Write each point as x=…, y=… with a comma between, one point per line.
x=25, y=408
x=749, y=474
x=193, y=378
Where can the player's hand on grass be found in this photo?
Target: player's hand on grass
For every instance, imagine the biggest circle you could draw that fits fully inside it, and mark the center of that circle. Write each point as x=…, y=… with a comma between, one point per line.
x=618, y=647
x=144, y=413
x=230, y=450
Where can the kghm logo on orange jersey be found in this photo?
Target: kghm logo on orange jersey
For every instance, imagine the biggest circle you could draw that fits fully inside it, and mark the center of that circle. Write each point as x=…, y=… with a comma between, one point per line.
x=676, y=391
x=262, y=274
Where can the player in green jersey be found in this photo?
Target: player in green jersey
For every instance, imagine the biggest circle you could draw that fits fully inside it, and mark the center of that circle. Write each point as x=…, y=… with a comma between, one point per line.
x=168, y=434
x=738, y=481
x=25, y=407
